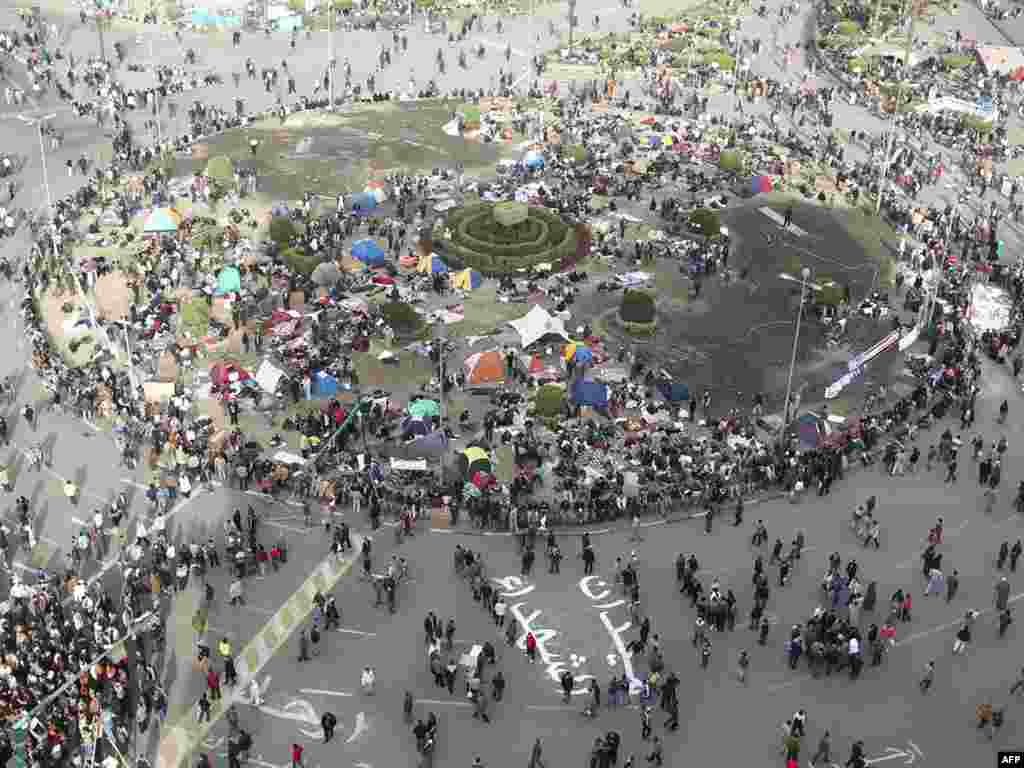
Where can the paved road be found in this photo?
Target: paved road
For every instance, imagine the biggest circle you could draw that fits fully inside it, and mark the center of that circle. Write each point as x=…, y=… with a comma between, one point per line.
x=394, y=645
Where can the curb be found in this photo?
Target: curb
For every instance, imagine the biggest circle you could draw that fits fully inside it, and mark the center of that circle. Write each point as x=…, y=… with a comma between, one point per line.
x=180, y=740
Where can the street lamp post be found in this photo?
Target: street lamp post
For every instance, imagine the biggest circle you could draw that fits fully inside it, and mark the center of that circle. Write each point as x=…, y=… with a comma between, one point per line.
x=805, y=273
x=330, y=52
x=904, y=71
x=38, y=123
x=444, y=397
x=100, y=21
x=572, y=21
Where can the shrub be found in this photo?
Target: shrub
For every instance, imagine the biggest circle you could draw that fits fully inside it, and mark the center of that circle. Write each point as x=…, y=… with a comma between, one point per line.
x=954, y=61
x=706, y=220
x=401, y=317
x=299, y=261
x=725, y=61
x=637, y=307
x=282, y=230
x=640, y=329
x=848, y=28
x=549, y=401
x=731, y=161
x=221, y=172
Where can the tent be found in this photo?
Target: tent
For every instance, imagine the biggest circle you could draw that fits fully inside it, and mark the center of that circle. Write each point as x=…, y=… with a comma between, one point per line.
x=268, y=376
x=431, y=265
x=467, y=280
x=364, y=203
x=324, y=385
x=368, y=252
x=808, y=430
x=475, y=459
x=226, y=372
x=413, y=426
x=591, y=393
x=376, y=191
x=759, y=184
x=674, y=391
x=162, y=220
x=484, y=368
x=533, y=159
x=578, y=353
x=536, y=324
x=228, y=281
x=424, y=408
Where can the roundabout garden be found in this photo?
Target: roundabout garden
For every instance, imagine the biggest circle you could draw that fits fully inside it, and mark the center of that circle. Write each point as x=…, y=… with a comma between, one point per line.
x=498, y=238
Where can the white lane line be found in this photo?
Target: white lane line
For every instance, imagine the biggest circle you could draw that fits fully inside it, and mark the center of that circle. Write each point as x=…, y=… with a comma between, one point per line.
x=359, y=632
x=78, y=520
x=284, y=527
x=321, y=692
x=444, y=703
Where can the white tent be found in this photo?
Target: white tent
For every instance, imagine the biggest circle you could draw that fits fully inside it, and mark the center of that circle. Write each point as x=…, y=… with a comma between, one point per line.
x=267, y=376
x=536, y=324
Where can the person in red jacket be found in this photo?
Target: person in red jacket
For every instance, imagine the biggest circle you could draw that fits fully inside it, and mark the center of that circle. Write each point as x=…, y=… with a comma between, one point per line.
x=297, y=756
x=531, y=647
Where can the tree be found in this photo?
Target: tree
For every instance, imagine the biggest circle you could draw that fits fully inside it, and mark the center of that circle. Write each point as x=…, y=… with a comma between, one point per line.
x=549, y=401
x=282, y=230
x=731, y=161
x=220, y=171
x=707, y=221
x=637, y=307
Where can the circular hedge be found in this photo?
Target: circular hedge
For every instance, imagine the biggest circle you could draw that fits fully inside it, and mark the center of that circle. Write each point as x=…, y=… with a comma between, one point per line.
x=637, y=307
x=480, y=240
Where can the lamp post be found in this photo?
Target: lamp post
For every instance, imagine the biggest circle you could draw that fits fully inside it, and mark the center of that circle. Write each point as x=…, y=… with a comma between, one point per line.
x=904, y=71
x=38, y=123
x=440, y=339
x=101, y=20
x=805, y=273
x=572, y=21
x=330, y=51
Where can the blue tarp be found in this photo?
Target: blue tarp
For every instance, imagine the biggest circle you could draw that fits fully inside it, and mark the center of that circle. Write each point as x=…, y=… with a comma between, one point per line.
x=324, y=385
x=368, y=252
x=674, y=391
x=202, y=17
x=590, y=393
x=807, y=430
x=437, y=267
x=364, y=202
x=415, y=427
x=228, y=281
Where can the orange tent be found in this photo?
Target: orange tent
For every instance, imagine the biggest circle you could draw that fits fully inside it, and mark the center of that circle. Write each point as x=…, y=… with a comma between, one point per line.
x=484, y=368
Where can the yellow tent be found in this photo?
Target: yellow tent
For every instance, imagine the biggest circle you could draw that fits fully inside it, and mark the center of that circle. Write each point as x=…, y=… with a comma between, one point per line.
x=473, y=454
x=466, y=280
x=351, y=264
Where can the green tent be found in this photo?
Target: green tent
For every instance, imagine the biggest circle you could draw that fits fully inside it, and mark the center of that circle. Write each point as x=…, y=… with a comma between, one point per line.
x=229, y=281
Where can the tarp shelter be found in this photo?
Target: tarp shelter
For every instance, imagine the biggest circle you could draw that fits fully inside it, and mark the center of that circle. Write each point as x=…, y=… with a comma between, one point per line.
x=433, y=444
x=759, y=184
x=409, y=465
x=229, y=280
x=162, y=221
x=424, y=408
x=376, y=191
x=415, y=426
x=467, y=280
x=364, y=203
x=323, y=385
x=432, y=265
x=268, y=376
x=533, y=159
x=475, y=459
x=484, y=368
x=674, y=391
x=592, y=393
x=368, y=252
x=808, y=430
x=577, y=353
x=536, y=324
x=225, y=373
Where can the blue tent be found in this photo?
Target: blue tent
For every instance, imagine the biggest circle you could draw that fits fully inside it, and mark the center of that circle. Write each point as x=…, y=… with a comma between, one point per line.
x=414, y=427
x=364, y=202
x=324, y=385
x=674, y=391
x=533, y=159
x=590, y=393
x=808, y=431
x=436, y=266
x=228, y=281
x=368, y=252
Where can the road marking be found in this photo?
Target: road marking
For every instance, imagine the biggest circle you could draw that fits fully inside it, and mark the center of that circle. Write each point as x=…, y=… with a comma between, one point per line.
x=444, y=703
x=359, y=632
x=321, y=692
x=78, y=521
x=183, y=737
x=283, y=527
x=134, y=483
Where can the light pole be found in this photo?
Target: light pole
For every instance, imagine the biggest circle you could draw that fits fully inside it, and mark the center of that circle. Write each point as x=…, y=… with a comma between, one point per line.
x=440, y=337
x=904, y=71
x=100, y=22
x=805, y=273
x=572, y=22
x=156, y=98
x=100, y=330
x=330, y=52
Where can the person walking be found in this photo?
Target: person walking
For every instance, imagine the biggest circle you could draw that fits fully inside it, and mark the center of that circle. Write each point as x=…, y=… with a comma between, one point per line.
x=303, y=645
x=1002, y=594
x=536, y=754
x=297, y=750
x=952, y=585
x=927, y=678
x=329, y=722
x=824, y=751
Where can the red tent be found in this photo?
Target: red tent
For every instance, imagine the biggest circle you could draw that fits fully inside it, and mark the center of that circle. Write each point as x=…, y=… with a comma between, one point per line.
x=1017, y=74
x=221, y=373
